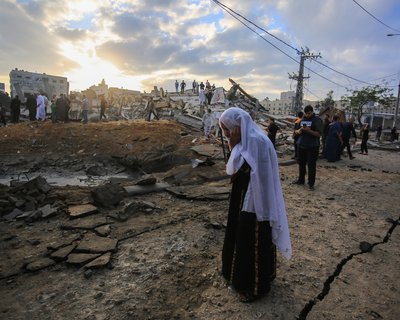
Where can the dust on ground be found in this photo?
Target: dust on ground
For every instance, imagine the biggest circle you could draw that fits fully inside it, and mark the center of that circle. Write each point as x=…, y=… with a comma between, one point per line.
x=167, y=265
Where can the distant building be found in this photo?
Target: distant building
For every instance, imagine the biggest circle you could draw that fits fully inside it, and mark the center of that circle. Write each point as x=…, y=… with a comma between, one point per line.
x=23, y=83
x=101, y=89
x=2, y=87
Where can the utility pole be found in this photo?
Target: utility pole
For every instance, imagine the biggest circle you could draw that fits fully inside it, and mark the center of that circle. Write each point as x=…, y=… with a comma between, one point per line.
x=397, y=107
x=304, y=54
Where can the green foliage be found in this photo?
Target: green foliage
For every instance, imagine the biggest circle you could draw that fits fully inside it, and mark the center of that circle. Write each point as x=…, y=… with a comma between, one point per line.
x=357, y=99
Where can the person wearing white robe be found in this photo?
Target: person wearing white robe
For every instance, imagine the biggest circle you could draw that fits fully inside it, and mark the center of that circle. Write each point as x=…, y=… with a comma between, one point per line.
x=41, y=108
x=257, y=221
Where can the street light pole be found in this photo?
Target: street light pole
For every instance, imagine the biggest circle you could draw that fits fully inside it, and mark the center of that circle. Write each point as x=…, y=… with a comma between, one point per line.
x=397, y=107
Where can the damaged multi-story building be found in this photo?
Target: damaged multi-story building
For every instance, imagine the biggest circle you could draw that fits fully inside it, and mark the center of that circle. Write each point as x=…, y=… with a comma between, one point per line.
x=23, y=83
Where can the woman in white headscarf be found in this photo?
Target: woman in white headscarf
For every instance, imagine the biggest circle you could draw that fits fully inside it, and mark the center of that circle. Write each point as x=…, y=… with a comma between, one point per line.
x=257, y=222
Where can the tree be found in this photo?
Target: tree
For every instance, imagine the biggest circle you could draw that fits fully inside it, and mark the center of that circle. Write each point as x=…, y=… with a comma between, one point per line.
x=359, y=98
x=328, y=101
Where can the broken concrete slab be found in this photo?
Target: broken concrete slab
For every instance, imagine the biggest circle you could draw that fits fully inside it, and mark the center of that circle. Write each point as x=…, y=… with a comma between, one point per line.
x=209, y=150
x=13, y=214
x=99, y=262
x=135, y=190
x=200, y=192
x=47, y=211
x=81, y=210
x=103, y=231
x=40, y=264
x=62, y=253
x=108, y=195
x=39, y=183
x=81, y=258
x=96, y=244
x=87, y=223
x=63, y=242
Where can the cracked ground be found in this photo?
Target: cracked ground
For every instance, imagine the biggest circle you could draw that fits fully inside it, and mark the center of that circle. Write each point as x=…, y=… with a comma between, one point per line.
x=167, y=265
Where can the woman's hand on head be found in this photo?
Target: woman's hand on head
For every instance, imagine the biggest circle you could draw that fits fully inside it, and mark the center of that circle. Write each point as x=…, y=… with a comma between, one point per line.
x=235, y=137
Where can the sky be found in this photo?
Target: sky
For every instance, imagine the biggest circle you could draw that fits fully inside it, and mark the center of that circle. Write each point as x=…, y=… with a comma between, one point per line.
x=137, y=45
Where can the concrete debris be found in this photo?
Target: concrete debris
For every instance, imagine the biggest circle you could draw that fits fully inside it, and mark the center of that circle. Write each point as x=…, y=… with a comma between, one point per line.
x=95, y=244
x=202, y=192
x=108, y=195
x=81, y=210
x=136, y=190
x=40, y=264
x=99, y=262
x=62, y=253
x=81, y=259
x=87, y=223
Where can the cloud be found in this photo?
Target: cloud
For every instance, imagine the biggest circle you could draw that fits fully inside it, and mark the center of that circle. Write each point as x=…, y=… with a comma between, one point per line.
x=158, y=41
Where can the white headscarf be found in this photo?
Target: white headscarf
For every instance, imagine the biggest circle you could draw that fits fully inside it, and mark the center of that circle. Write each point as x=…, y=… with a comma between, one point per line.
x=264, y=194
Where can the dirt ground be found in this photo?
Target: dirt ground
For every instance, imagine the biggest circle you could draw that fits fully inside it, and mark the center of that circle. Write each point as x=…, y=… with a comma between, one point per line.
x=167, y=264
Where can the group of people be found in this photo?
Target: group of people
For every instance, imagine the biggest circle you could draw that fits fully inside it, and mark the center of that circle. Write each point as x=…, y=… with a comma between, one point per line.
x=204, y=90
x=38, y=106
x=336, y=137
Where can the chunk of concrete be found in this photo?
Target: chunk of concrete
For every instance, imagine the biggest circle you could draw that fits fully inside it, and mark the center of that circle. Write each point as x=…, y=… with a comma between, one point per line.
x=81, y=210
x=96, y=244
x=81, y=258
x=40, y=264
x=99, y=262
x=13, y=214
x=62, y=253
x=108, y=195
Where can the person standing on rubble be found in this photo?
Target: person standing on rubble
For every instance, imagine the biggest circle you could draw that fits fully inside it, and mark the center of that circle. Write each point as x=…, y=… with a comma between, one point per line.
x=257, y=222
x=151, y=109
x=308, y=146
x=103, y=104
x=41, y=108
x=15, y=108
x=3, y=114
x=272, y=130
x=183, y=85
x=31, y=106
x=295, y=136
x=176, y=86
x=208, y=121
x=85, y=109
x=194, y=86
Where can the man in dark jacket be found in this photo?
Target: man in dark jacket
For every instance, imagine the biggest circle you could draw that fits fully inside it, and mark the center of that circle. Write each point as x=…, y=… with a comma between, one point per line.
x=15, y=107
x=348, y=130
x=31, y=106
x=308, y=146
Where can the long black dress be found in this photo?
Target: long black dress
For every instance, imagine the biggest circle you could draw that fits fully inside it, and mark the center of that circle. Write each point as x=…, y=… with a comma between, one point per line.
x=248, y=255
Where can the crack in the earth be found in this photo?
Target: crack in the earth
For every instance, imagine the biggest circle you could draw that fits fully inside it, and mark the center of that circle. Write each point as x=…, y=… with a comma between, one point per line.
x=365, y=247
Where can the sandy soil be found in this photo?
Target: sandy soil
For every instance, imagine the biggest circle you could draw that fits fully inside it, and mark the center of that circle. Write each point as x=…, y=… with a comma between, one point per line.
x=167, y=265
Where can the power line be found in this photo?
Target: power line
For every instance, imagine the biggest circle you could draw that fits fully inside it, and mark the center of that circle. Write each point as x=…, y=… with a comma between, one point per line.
x=222, y=6
x=375, y=17
x=233, y=13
